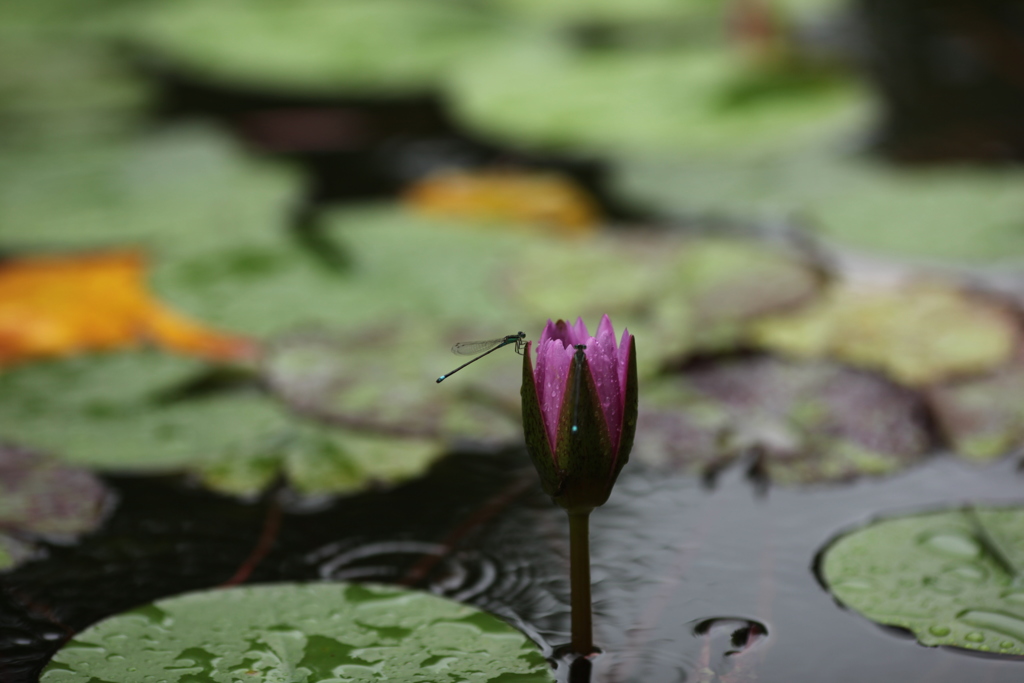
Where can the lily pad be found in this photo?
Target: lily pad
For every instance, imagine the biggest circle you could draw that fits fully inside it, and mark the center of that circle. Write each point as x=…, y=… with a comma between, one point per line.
x=400, y=270
x=801, y=422
x=680, y=295
x=176, y=194
x=549, y=94
x=111, y=411
x=301, y=632
x=43, y=498
x=367, y=46
x=316, y=461
x=123, y=412
x=383, y=380
x=954, y=214
x=918, y=333
x=608, y=10
x=982, y=417
x=59, y=84
x=951, y=577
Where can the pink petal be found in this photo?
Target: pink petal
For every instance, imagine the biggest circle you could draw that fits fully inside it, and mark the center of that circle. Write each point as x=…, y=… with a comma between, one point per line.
x=580, y=333
x=625, y=346
x=602, y=357
x=550, y=376
x=548, y=333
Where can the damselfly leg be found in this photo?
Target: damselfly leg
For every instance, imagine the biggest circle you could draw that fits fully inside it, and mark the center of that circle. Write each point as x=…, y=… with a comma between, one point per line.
x=483, y=348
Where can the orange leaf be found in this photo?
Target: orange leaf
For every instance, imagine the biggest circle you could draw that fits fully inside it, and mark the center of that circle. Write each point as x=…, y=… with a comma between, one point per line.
x=60, y=305
x=547, y=199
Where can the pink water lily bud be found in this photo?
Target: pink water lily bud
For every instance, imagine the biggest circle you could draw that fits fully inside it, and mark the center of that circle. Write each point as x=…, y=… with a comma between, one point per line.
x=579, y=410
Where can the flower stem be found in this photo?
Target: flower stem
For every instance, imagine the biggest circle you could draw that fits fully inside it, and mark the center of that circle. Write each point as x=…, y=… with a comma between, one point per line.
x=579, y=575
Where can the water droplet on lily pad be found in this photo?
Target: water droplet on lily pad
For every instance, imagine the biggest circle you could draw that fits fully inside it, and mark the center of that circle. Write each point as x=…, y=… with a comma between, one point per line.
x=950, y=577
x=953, y=543
x=310, y=632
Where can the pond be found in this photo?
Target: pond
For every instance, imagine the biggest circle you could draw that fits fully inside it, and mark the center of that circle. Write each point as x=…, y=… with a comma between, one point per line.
x=243, y=241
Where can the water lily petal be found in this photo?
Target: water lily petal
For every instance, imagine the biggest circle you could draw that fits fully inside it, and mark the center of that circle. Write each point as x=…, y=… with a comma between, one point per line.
x=551, y=375
x=579, y=332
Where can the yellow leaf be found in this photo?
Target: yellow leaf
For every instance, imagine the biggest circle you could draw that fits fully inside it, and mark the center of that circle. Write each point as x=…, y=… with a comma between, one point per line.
x=60, y=305
x=544, y=199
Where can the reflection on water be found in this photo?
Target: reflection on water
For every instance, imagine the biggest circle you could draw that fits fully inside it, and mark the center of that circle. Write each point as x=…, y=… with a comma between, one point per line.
x=691, y=584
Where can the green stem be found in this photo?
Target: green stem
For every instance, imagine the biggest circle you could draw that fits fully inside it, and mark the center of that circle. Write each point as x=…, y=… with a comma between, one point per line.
x=579, y=575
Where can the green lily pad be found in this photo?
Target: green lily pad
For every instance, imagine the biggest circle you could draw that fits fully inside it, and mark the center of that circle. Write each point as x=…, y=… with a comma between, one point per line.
x=367, y=46
x=301, y=632
x=316, y=461
x=400, y=271
x=58, y=82
x=607, y=10
x=108, y=411
x=917, y=333
x=177, y=194
x=679, y=295
x=122, y=412
x=383, y=379
x=549, y=94
x=802, y=422
x=982, y=417
x=955, y=214
x=952, y=577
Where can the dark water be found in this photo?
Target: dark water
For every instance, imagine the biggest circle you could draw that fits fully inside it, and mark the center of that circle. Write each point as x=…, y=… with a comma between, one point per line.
x=687, y=579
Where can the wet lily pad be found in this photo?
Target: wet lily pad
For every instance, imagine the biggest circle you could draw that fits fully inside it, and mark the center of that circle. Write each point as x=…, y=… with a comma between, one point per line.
x=369, y=46
x=951, y=577
x=917, y=333
x=293, y=632
x=550, y=94
x=949, y=213
x=983, y=417
x=796, y=422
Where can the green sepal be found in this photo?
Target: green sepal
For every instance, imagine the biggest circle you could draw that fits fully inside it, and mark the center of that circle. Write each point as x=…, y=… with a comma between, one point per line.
x=537, y=443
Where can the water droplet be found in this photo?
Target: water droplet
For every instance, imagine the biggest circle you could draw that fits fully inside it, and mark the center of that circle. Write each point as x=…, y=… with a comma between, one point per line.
x=1014, y=596
x=975, y=636
x=854, y=585
x=1000, y=622
x=939, y=631
x=1006, y=644
x=953, y=543
x=969, y=572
